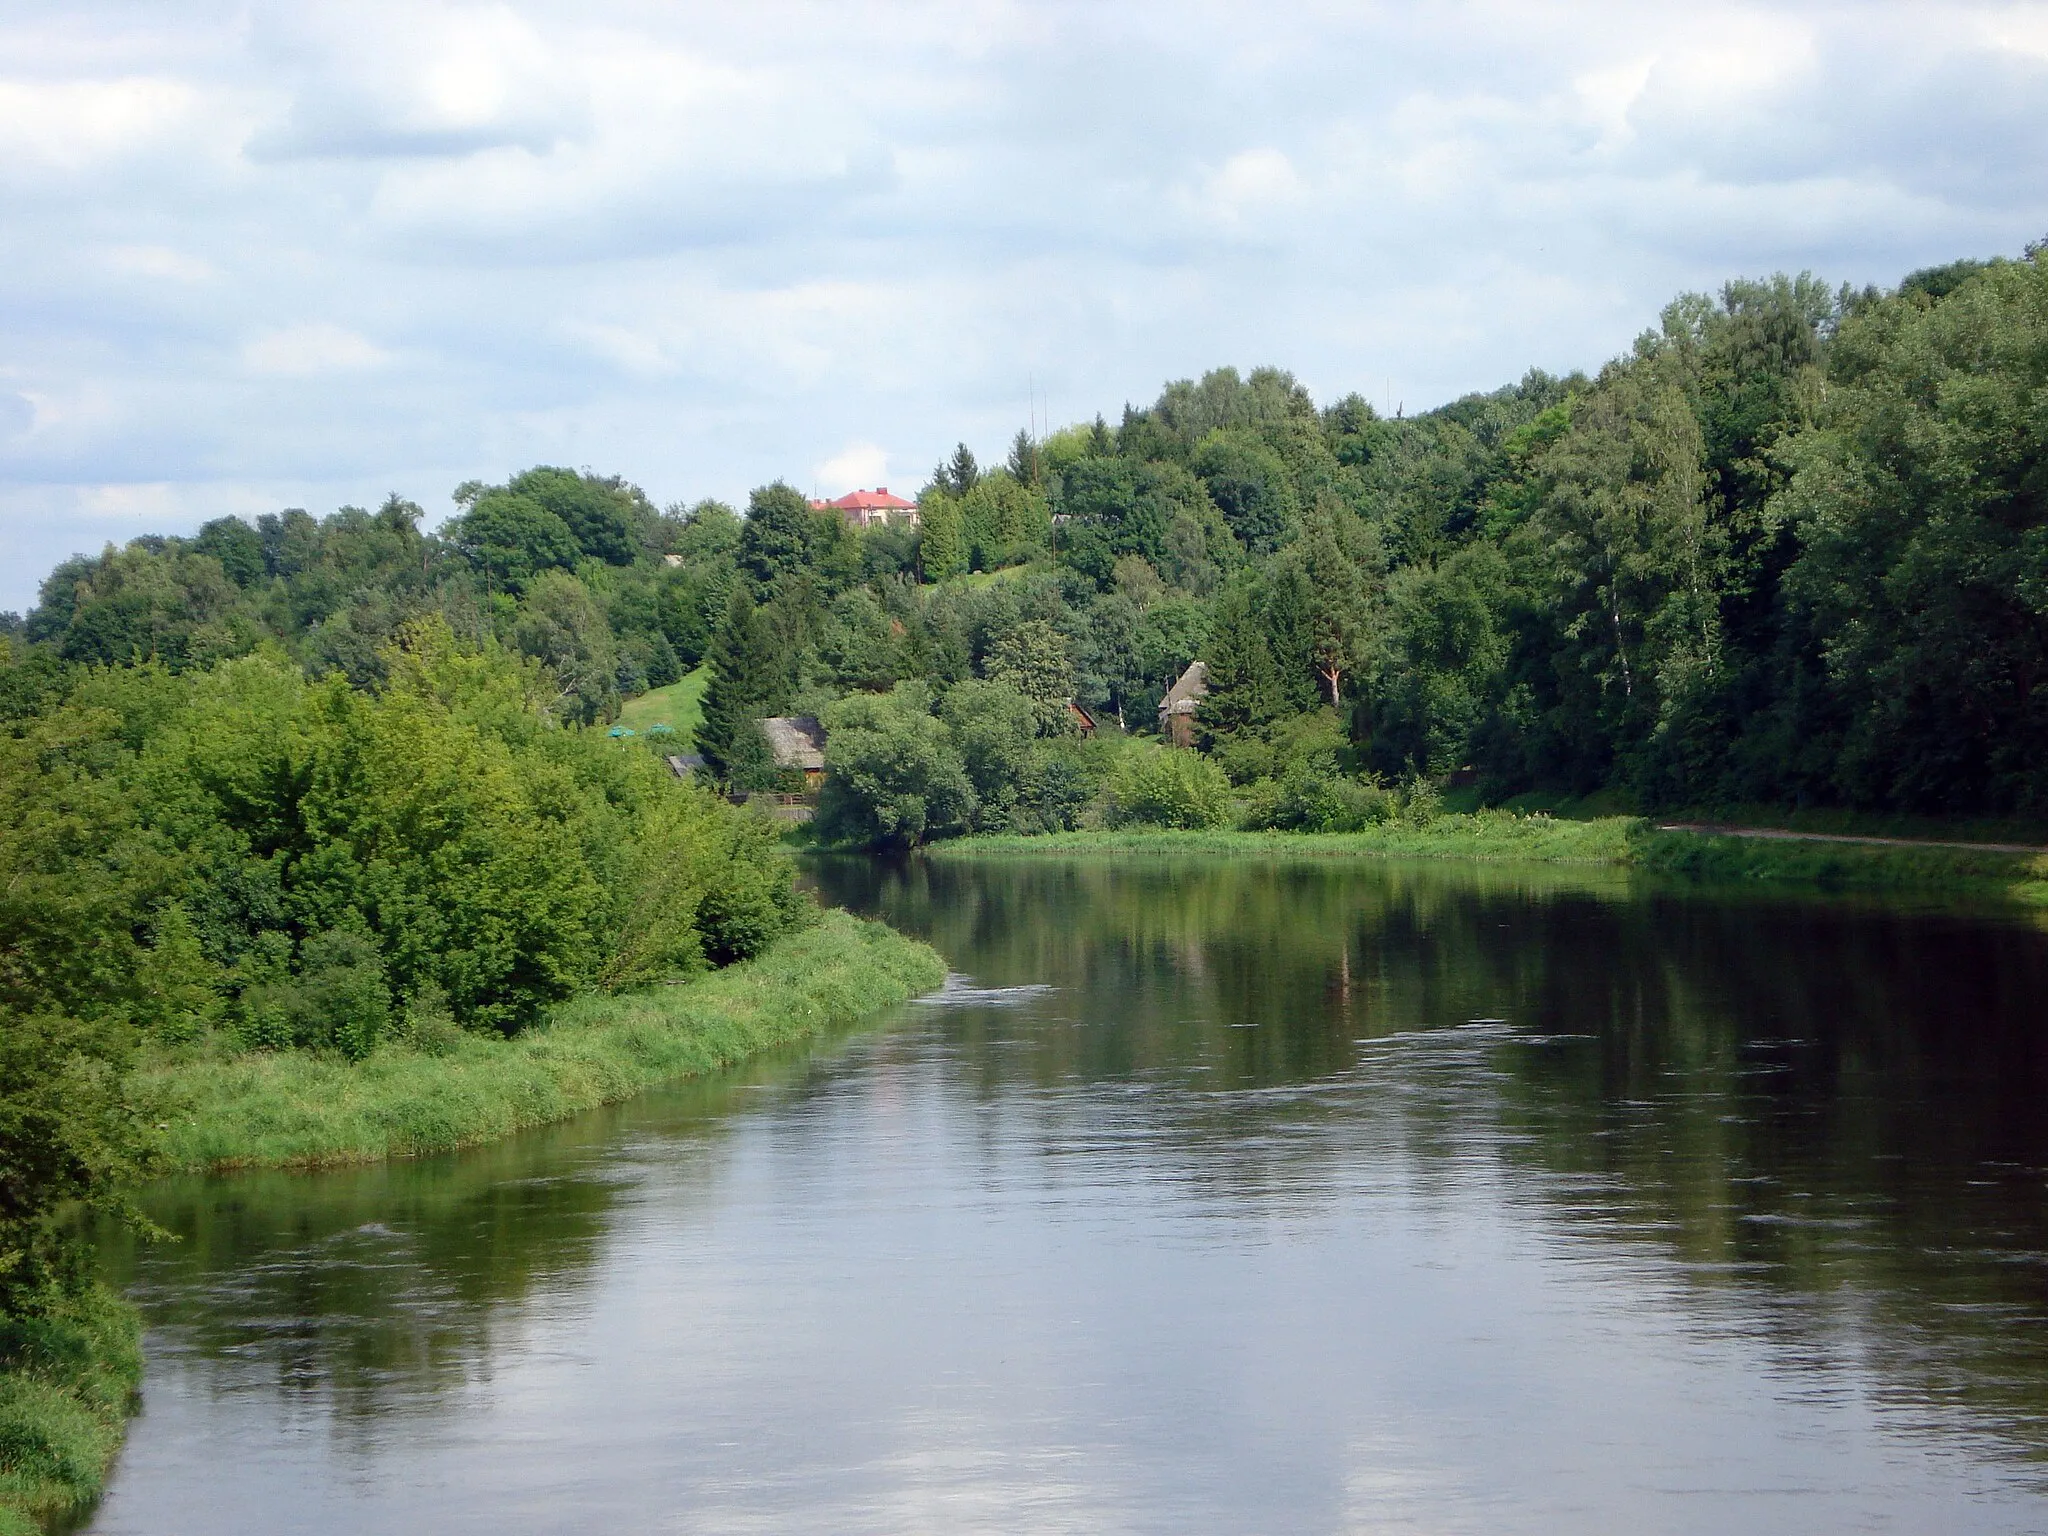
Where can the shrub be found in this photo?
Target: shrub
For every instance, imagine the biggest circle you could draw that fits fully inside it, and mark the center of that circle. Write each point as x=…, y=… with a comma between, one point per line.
x=1167, y=787
x=1311, y=799
x=893, y=777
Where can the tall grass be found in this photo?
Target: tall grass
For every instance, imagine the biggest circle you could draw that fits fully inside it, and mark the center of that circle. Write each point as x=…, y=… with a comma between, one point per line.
x=67, y=1385
x=294, y=1109
x=1722, y=858
x=1495, y=836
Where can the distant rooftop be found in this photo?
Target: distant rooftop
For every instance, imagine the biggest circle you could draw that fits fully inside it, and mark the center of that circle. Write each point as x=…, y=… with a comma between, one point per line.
x=798, y=741
x=877, y=500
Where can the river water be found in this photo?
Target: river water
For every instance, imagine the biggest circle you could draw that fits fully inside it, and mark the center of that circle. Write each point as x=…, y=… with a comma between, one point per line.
x=1331, y=1196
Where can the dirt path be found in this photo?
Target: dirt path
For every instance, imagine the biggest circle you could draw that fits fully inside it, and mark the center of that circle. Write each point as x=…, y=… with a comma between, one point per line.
x=1778, y=834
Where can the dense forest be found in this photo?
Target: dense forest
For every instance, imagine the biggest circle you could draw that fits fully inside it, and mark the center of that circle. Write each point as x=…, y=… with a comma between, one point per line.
x=1791, y=549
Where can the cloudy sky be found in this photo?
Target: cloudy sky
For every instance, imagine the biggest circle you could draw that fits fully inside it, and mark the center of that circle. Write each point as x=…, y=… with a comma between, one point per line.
x=259, y=255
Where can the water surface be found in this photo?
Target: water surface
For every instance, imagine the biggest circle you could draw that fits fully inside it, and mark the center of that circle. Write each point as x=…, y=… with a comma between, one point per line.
x=1207, y=1197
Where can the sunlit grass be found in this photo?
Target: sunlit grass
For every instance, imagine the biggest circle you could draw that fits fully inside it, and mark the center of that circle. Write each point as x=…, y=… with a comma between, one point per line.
x=1843, y=866
x=1488, y=835
x=680, y=706
x=67, y=1385
x=1499, y=836
x=293, y=1108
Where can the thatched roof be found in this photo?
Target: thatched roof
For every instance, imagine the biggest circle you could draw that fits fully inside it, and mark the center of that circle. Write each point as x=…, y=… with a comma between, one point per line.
x=1183, y=697
x=798, y=741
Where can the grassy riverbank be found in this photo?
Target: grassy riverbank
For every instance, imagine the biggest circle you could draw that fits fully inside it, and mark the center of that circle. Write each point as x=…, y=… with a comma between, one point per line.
x=295, y=1109
x=1495, y=836
x=1723, y=858
x=67, y=1384
x=1498, y=836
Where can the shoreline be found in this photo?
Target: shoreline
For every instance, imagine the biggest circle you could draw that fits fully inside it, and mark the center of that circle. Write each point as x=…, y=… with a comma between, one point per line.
x=1715, y=855
x=63, y=1418
x=297, y=1110
x=1487, y=836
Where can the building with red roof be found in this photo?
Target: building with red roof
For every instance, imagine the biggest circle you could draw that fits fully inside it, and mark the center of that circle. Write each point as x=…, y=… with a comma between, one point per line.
x=866, y=509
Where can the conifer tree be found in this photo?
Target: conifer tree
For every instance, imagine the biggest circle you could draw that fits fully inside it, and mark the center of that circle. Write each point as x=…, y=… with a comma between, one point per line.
x=749, y=680
x=1243, y=682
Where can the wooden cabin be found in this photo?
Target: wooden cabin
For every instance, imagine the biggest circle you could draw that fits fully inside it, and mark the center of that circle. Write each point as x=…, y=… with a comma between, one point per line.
x=798, y=745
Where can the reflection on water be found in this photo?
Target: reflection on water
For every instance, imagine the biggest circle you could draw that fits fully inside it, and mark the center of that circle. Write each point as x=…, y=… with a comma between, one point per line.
x=1205, y=1197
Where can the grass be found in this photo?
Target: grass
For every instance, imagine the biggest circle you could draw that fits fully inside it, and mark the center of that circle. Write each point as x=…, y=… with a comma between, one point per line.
x=1842, y=866
x=68, y=1379
x=294, y=1109
x=1501, y=836
x=1495, y=836
x=680, y=705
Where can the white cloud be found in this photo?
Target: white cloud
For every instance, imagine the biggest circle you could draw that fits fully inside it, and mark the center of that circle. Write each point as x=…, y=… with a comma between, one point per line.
x=1251, y=184
x=857, y=467
x=383, y=80
x=159, y=261
x=707, y=246
x=68, y=124
x=303, y=351
x=632, y=349
x=141, y=503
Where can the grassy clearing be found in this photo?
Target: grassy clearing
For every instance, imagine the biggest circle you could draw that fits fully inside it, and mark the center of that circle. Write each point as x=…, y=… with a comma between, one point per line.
x=67, y=1385
x=1495, y=836
x=292, y=1109
x=680, y=705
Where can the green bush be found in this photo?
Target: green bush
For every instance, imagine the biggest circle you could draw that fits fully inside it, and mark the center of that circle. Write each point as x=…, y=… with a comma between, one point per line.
x=1310, y=798
x=893, y=775
x=1154, y=786
x=302, y=859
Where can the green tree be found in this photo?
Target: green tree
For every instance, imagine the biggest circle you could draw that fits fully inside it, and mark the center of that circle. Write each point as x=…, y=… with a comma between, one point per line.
x=1167, y=787
x=1921, y=585
x=1244, y=688
x=992, y=727
x=1032, y=659
x=750, y=679
x=511, y=538
x=893, y=777
x=776, y=539
x=606, y=518
x=561, y=626
x=942, y=541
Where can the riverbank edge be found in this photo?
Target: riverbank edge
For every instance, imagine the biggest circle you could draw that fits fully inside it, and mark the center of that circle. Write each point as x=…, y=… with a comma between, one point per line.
x=293, y=1110
x=65, y=1400
x=1490, y=836
x=1632, y=842
x=63, y=1418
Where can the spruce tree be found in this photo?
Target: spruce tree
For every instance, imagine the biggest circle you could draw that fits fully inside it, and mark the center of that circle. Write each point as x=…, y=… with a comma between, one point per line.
x=749, y=680
x=1244, y=689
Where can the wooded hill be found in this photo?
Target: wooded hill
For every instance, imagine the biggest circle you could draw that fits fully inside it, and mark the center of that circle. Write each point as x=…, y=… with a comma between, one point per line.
x=1791, y=548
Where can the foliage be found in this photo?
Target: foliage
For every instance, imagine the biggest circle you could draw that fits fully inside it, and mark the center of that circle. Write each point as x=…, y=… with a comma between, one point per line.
x=893, y=777
x=1492, y=836
x=1154, y=786
x=749, y=681
x=1030, y=658
x=294, y=1108
x=306, y=856
x=1786, y=550
x=68, y=1379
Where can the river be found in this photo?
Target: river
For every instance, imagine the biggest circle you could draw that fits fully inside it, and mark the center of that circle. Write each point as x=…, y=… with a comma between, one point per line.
x=1209, y=1196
